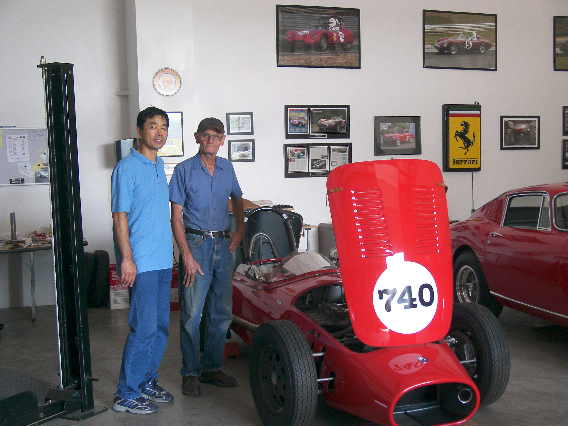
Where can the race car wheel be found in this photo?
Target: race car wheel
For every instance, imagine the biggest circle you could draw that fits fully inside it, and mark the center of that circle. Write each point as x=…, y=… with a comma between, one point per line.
x=283, y=375
x=453, y=49
x=477, y=339
x=482, y=49
x=470, y=285
x=347, y=46
x=323, y=44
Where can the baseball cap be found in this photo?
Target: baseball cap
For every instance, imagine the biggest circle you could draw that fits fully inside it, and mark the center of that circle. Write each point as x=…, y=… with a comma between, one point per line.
x=211, y=123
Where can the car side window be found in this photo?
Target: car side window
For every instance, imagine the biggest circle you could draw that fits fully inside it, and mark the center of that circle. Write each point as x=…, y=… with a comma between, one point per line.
x=561, y=212
x=528, y=211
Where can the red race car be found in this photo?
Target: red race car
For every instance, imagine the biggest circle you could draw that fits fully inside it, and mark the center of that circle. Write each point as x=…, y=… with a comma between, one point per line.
x=375, y=337
x=463, y=43
x=398, y=138
x=331, y=33
x=513, y=251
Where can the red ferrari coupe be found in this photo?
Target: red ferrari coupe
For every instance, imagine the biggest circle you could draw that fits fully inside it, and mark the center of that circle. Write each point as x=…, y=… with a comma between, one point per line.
x=378, y=337
x=513, y=251
x=463, y=43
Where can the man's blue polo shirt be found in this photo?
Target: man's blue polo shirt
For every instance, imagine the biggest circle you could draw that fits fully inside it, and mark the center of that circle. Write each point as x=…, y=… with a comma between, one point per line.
x=140, y=188
x=203, y=196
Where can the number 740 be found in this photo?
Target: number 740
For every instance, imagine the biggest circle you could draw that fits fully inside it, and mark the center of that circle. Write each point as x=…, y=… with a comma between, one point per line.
x=405, y=298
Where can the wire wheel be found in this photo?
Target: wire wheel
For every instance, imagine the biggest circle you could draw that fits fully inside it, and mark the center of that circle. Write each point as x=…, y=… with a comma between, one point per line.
x=467, y=285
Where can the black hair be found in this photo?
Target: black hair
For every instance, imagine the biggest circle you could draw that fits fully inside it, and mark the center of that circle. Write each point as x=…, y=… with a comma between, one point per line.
x=148, y=113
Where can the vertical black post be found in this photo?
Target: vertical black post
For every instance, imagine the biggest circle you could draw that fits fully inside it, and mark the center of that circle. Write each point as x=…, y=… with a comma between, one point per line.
x=73, y=327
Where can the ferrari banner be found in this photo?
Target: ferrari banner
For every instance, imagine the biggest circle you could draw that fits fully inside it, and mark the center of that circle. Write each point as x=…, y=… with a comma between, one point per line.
x=462, y=137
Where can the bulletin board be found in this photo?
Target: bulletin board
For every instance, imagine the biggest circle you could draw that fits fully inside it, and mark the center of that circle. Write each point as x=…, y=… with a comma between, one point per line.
x=23, y=156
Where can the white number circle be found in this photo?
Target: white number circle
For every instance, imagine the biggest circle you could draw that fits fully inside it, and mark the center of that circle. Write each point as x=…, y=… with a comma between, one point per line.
x=405, y=296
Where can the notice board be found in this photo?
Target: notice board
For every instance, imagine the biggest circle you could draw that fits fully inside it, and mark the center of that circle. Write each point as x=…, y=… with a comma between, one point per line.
x=23, y=156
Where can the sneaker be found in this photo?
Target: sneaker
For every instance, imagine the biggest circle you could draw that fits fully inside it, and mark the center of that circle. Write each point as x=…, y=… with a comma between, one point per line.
x=190, y=386
x=218, y=378
x=154, y=392
x=138, y=405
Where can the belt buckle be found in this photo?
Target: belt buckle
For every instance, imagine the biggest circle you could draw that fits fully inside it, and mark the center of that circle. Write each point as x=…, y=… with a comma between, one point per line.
x=208, y=234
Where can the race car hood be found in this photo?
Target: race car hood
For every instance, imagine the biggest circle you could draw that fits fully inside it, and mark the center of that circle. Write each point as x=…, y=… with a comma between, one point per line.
x=392, y=231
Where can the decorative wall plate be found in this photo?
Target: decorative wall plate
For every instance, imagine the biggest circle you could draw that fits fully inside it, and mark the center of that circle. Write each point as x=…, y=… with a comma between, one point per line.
x=167, y=82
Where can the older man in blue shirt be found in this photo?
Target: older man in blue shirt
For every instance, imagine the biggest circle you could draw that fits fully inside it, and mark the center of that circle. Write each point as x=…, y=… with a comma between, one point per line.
x=199, y=192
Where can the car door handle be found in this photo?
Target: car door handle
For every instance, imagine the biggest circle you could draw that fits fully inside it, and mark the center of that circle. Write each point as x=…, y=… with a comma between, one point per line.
x=496, y=234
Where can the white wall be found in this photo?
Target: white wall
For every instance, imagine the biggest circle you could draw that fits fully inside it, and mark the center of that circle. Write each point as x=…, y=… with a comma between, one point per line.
x=225, y=53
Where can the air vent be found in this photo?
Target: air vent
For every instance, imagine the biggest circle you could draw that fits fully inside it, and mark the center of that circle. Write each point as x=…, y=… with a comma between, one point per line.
x=370, y=224
x=427, y=205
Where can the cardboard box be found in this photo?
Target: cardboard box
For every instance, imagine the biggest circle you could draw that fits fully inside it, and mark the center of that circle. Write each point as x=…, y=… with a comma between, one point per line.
x=119, y=295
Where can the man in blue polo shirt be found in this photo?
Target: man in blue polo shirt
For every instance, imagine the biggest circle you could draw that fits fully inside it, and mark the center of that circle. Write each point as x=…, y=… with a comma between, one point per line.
x=140, y=214
x=199, y=191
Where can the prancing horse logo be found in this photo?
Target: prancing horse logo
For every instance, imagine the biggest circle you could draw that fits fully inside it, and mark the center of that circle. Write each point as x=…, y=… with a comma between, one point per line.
x=461, y=136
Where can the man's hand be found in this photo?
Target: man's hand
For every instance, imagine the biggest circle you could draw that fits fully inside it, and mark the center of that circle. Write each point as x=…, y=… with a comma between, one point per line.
x=191, y=267
x=236, y=238
x=127, y=272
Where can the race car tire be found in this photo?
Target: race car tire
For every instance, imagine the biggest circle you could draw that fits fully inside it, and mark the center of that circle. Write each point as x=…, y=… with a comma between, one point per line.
x=482, y=49
x=283, y=375
x=470, y=285
x=322, y=45
x=453, y=49
x=347, y=46
x=477, y=339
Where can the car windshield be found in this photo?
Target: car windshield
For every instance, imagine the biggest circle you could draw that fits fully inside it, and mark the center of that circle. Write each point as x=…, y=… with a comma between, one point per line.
x=561, y=211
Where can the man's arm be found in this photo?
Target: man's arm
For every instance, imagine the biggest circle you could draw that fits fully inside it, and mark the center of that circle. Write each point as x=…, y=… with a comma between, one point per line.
x=127, y=266
x=236, y=237
x=190, y=265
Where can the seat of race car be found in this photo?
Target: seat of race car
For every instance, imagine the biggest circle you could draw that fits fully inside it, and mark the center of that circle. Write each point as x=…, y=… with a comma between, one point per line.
x=271, y=232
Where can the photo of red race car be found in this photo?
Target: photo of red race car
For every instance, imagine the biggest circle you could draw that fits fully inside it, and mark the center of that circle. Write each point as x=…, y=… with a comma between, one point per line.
x=398, y=138
x=464, y=43
x=332, y=33
x=377, y=336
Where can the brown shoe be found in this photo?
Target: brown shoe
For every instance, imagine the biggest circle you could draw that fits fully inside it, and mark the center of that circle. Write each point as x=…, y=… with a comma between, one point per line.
x=190, y=386
x=218, y=378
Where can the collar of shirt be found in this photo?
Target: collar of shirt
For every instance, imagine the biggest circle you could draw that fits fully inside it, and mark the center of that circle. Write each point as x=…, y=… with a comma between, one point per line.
x=134, y=152
x=218, y=164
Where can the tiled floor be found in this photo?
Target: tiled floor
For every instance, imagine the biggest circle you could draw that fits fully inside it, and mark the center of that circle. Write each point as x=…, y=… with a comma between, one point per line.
x=536, y=395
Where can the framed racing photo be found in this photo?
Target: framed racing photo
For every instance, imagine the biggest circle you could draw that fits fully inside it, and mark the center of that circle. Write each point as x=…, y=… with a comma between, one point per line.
x=317, y=37
x=397, y=135
x=316, y=121
x=314, y=160
x=565, y=121
x=174, y=144
x=239, y=123
x=565, y=153
x=520, y=132
x=459, y=40
x=561, y=43
x=241, y=150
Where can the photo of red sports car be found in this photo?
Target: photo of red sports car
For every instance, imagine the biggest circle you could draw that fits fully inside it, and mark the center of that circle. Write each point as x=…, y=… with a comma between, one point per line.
x=377, y=336
x=513, y=251
x=398, y=138
x=324, y=36
x=463, y=43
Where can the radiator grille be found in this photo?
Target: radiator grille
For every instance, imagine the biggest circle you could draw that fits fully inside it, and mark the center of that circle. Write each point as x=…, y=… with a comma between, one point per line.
x=370, y=224
x=427, y=205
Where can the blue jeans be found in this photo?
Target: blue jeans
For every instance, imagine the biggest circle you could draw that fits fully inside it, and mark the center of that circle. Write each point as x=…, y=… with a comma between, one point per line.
x=214, y=287
x=149, y=320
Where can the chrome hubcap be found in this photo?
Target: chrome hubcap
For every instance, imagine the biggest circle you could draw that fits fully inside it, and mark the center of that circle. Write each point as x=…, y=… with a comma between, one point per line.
x=467, y=285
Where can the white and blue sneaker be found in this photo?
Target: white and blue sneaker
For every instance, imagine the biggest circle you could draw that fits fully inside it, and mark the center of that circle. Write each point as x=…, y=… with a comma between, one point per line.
x=138, y=405
x=154, y=392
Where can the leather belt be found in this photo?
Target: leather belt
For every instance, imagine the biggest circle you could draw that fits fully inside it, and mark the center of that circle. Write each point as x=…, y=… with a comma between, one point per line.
x=209, y=234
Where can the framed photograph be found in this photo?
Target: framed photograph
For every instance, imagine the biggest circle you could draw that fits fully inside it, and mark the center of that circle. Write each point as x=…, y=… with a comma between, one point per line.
x=565, y=153
x=241, y=150
x=397, y=135
x=461, y=130
x=313, y=160
x=316, y=121
x=459, y=40
x=561, y=43
x=520, y=132
x=565, y=121
x=239, y=123
x=317, y=37
x=174, y=144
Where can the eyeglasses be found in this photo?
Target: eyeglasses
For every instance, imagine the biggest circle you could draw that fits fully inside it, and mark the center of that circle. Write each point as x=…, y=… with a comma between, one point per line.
x=209, y=136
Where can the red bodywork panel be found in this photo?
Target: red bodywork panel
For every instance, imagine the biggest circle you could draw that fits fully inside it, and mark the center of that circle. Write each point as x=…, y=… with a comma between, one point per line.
x=391, y=227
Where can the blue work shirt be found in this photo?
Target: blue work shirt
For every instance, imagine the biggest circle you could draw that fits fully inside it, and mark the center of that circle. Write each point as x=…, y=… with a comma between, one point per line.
x=140, y=188
x=202, y=195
